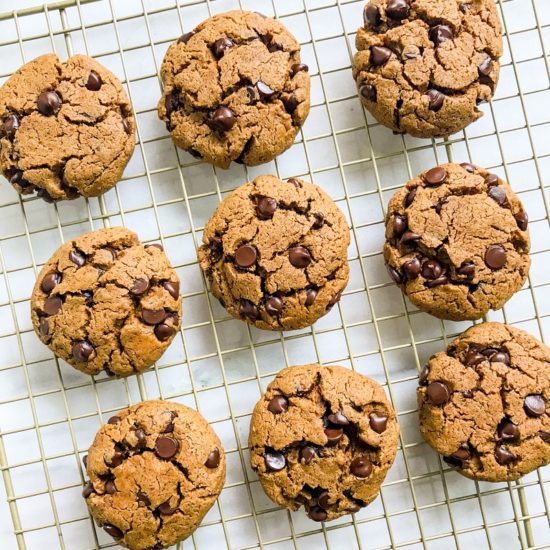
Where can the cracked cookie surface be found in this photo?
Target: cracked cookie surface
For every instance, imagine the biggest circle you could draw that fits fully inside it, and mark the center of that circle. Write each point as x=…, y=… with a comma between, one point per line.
x=484, y=403
x=155, y=470
x=423, y=66
x=275, y=253
x=66, y=129
x=323, y=438
x=457, y=241
x=106, y=302
x=235, y=89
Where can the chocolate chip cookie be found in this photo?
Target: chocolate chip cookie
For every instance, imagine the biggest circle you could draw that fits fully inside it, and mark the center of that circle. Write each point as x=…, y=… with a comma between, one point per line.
x=235, y=89
x=423, y=66
x=66, y=129
x=323, y=438
x=106, y=302
x=484, y=403
x=457, y=241
x=275, y=253
x=155, y=469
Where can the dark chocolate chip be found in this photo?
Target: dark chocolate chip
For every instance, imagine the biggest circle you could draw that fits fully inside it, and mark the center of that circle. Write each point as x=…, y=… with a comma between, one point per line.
x=17, y=179
x=435, y=99
x=468, y=167
x=438, y=393
x=423, y=376
x=114, y=420
x=77, y=257
x=44, y=326
x=440, y=203
x=141, y=439
x=115, y=532
x=155, y=245
x=395, y=275
x=441, y=33
x=216, y=248
x=299, y=257
x=485, y=67
x=503, y=455
x=291, y=104
x=278, y=405
x=166, y=447
x=443, y=280
x=435, y=176
x=410, y=237
x=495, y=256
x=522, y=219
x=368, y=91
x=246, y=255
x=49, y=103
x=88, y=489
x=316, y=513
x=274, y=461
x=333, y=435
x=467, y=269
x=411, y=268
x=409, y=199
x=222, y=120
x=323, y=500
x=184, y=38
x=319, y=220
x=545, y=436
x=275, y=47
x=173, y=288
x=213, y=460
x=534, y=405
x=462, y=453
x=294, y=181
x=171, y=102
x=143, y=498
x=52, y=305
x=110, y=487
x=153, y=316
x=501, y=357
x=399, y=226
x=491, y=180
x=334, y=300
x=163, y=332
x=266, y=208
x=307, y=454
x=94, y=82
x=249, y=310
x=431, y=270
x=10, y=126
x=140, y=286
x=371, y=15
x=126, y=125
x=338, y=419
x=82, y=351
x=50, y=281
x=507, y=430
x=378, y=423
x=274, y=305
x=379, y=55
x=361, y=467
x=297, y=68
x=498, y=195
x=311, y=294
x=473, y=357
x=221, y=45
x=397, y=9
x=264, y=90
x=166, y=509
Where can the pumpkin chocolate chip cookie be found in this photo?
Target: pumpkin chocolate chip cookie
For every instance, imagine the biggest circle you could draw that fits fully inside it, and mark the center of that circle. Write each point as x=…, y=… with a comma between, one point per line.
x=155, y=470
x=235, y=89
x=484, y=403
x=457, y=241
x=66, y=129
x=106, y=302
x=275, y=253
x=323, y=438
x=423, y=66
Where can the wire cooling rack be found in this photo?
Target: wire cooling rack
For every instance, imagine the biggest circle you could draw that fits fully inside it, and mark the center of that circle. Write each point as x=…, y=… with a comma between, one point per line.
x=49, y=412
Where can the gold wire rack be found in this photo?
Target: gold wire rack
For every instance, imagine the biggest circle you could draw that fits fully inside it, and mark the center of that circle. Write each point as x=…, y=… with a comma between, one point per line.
x=49, y=412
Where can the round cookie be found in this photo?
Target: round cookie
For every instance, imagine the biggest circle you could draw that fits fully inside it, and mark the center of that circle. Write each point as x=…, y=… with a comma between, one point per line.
x=275, y=253
x=104, y=301
x=155, y=470
x=324, y=438
x=423, y=66
x=484, y=403
x=66, y=129
x=457, y=241
x=235, y=89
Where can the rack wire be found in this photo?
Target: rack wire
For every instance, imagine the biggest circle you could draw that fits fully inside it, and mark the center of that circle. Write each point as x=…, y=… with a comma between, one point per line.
x=49, y=412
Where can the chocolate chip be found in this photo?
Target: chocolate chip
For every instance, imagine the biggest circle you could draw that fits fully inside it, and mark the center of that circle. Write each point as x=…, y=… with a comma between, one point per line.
x=44, y=326
x=501, y=357
x=171, y=102
x=371, y=15
x=473, y=357
x=10, y=126
x=438, y=393
x=52, y=305
x=522, y=219
x=397, y=9
x=291, y=104
x=274, y=461
x=114, y=420
x=431, y=270
x=498, y=195
x=110, y=487
x=278, y=405
x=17, y=179
x=173, y=288
x=534, y=405
x=361, y=467
x=495, y=256
x=77, y=257
x=411, y=269
x=338, y=419
x=88, y=489
x=311, y=294
x=491, y=180
x=435, y=176
x=503, y=455
x=323, y=500
x=153, y=316
x=395, y=275
x=140, y=286
x=441, y=33
x=222, y=120
x=166, y=509
x=334, y=300
x=115, y=532
x=82, y=351
x=249, y=310
x=435, y=100
x=467, y=269
x=319, y=220
x=297, y=68
x=462, y=453
x=440, y=203
x=409, y=199
x=316, y=513
x=368, y=91
x=354, y=507
x=221, y=45
x=141, y=439
x=307, y=454
x=126, y=125
x=443, y=280
x=275, y=47
x=545, y=436
x=166, y=447
x=266, y=208
x=399, y=226
x=299, y=257
x=485, y=67
x=155, y=245
x=213, y=460
x=49, y=103
x=264, y=90
x=507, y=430
x=294, y=181
x=378, y=423
x=216, y=248
x=184, y=38
x=468, y=167
x=379, y=55
x=50, y=281
x=94, y=82
x=333, y=435
x=410, y=237
x=423, y=376
x=44, y=195
x=163, y=332
x=274, y=305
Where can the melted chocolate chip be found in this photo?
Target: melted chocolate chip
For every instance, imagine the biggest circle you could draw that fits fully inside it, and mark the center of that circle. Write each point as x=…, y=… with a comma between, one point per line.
x=440, y=34
x=49, y=103
x=140, y=286
x=166, y=447
x=467, y=269
x=82, y=351
x=44, y=326
x=462, y=453
x=115, y=532
x=361, y=467
x=473, y=357
x=395, y=275
x=411, y=268
x=221, y=45
x=246, y=255
x=216, y=248
x=222, y=120
x=163, y=332
x=410, y=237
x=94, y=82
x=534, y=405
x=333, y=436
x=435, y=100
x=435, y=176
x=498, y=195
x=10, y=126
x=299, y=257
x=316, y=513
x=338, y=419
x=213, y=460
x=438, y=393
x=501, y=357
x=368, y=91
x=371, y=15
x=153, y=316
x=431, y=270
x=297, y=68
x=110, y=487
x=311, y=294
x=507, y=430
x=265, y=91
x=278, y=405
x=485, y=67
x=173, y=288
x=291, y=104
x=423, y=376
x=77, y=257
x=397, y=9
x=266, y=208
x=522, y=219
x=495, y=256
x=399, y=226
x=379, y=55
x=274, y=305
x=50, y=281
x=468, y=167
x=307, y=454
x=88, y=489
x=274, y=461
x=409, y=199
x=319, y=220
x=184, y=38
x=114, y=420
x=249, y=310
x=52, y=305
x=378, y=423
x=503, y=455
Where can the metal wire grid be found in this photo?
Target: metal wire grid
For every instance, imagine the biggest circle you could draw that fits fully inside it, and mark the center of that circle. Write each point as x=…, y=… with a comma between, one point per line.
x=243, y=518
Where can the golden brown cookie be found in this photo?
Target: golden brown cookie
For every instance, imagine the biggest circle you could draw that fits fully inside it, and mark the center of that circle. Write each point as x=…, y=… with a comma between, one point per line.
x=106, y=302
x=423, y=66
x=484, y=403
x=235, y=89
x=457, y=241
x=275, y=253
x=323, y=438
x=155, y=469
x=67, y=129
